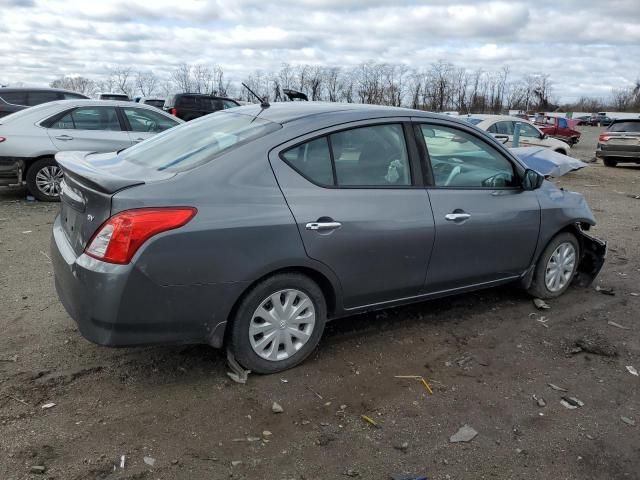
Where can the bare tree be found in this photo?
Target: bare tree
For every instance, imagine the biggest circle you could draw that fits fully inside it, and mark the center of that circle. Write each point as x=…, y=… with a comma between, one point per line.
x=147, y=83
x=82, y=85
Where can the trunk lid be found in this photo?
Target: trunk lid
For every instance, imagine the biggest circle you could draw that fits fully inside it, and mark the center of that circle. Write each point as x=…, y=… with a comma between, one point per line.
x=622, y=141
x=90, y=181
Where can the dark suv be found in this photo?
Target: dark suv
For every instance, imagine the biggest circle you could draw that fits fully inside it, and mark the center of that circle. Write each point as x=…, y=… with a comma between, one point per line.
x=188, y=106
x=15, y=99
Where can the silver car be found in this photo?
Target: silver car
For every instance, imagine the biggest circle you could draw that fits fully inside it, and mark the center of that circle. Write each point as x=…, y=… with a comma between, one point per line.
x=29, y=139
x=251, y=227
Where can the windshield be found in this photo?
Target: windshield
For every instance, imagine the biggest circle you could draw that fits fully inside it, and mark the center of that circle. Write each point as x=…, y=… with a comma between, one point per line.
x=625, y=127
x=198, y=142
x=473, y=121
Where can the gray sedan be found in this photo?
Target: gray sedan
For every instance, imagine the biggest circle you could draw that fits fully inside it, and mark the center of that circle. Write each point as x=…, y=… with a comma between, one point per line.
x=250, y=228
x=29, y=139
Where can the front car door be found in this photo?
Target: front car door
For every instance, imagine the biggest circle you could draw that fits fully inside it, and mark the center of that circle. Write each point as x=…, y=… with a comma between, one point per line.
x=486, y=225
x=90, y=128
x=357, y=197
x=143, y=123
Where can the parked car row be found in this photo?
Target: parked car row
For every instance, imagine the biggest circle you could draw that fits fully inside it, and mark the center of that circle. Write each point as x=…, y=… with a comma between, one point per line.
x=15, y=99
x=30, y=138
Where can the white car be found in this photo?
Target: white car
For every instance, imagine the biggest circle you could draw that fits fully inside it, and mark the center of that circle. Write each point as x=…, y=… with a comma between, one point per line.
x=502, y=127
x=30, y=138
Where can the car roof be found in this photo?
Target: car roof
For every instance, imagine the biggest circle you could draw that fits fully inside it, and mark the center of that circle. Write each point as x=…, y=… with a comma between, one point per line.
x=37, y=89
x=284, y=112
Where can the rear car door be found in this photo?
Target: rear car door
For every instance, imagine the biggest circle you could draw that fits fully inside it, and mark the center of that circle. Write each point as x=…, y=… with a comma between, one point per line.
x=91, y=128
x=360, y=208
x=486, y=225
x=143, y=123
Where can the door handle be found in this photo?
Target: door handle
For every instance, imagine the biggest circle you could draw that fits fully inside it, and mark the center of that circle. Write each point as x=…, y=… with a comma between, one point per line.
x=457, y=217
x=64, y=137
x=139, y=140
x=323, y=226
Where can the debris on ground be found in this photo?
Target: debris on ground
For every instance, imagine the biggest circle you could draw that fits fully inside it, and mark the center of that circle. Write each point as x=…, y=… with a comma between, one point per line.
x=617, y=325
x=597, y=345
x=605, y=290
x=401, y=446
x=47, y=406
x=632, y=370
x=149, y=461
x=314, y=392
x=351, y=473
x=370, y=421
x=571, y=403
x=422, y=380
x=277, y=408
x=539, y=401
x=266, y=433
x=628, y=421
x=557, y=388
x=123, y=459
x=541, y=304
x=635, y=197
x=38, y=469
x=237, y=374
x=464, y=434
x=12, y=358
x=235, y=463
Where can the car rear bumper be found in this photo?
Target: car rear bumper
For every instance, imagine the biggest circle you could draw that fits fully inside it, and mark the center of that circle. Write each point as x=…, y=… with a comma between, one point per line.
x=628, y=155
x=118, y=305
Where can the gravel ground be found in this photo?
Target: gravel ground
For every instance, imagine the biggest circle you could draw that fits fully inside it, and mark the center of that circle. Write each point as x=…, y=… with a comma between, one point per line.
x=485, y=355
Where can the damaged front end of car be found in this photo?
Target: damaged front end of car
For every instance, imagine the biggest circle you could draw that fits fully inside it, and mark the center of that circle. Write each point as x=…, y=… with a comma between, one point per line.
x=593, y=254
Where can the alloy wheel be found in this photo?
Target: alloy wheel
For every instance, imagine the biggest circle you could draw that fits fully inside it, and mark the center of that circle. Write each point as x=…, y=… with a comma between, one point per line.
x=48, y=180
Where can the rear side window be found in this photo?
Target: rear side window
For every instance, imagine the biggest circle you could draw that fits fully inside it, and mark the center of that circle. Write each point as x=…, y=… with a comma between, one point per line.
x=36, y=98
x=312, y=160
x=374, y=156
x=625, y=127
x=562, y=123
x=89, y=118
x=198, y=142
x=15, y=98
x=229, y=104
x=72, y=96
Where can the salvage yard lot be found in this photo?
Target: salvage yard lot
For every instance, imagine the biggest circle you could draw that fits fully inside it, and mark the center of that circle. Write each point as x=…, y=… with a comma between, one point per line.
x=485, y=355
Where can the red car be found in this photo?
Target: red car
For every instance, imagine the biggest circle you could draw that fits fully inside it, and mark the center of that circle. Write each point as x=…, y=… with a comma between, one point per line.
x=558, y=127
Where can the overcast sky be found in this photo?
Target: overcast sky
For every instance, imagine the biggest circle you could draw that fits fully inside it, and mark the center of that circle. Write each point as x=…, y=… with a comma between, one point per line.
x=587, y=46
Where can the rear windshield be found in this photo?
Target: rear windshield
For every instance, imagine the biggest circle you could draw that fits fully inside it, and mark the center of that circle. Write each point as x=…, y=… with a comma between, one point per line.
x=155, y=103
x=194, y=102
x=625, y=127
x=113, y=97
x=197, y=142
x=473, y=121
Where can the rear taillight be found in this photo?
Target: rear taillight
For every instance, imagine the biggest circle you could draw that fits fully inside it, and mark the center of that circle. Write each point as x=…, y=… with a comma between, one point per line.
x=2, y=139
x=120, y=237
x=173, y=111
x=604, y=137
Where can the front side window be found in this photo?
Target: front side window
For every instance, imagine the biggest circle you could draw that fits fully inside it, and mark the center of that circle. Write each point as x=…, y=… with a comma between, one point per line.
x=89, y=118
x=374, y=156
x=143, y=120
x=503, y=128
x=229, y=104
x=198, y=142
x=459, y=159
x=527, y=130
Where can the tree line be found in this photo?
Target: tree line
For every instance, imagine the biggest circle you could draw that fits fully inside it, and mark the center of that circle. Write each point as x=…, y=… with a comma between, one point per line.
x=441, y=86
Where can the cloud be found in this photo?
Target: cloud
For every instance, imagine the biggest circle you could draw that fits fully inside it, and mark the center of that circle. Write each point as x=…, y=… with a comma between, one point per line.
x=588, y=47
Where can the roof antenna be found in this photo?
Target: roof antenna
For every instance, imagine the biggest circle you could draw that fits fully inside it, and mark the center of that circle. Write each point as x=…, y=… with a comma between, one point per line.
x=263, y=101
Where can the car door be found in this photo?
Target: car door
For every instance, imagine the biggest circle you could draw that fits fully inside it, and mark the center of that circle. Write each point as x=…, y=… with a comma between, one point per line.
x=91, y=128
x=486, y=225
x=357, y=198
x=530, y=136
x=143, y=123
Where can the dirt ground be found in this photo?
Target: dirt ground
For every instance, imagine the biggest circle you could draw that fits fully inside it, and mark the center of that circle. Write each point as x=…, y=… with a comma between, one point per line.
x=485, y=354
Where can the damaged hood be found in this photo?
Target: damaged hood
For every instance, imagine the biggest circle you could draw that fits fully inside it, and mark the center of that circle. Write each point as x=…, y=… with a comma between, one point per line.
x=547, y=162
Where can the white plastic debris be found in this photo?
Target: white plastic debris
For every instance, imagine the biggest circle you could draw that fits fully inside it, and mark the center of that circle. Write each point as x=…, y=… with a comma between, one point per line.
x=49, y=405
x=149, y=461
x=632, y=370
x=277, y=408
x=557, y=388
x=123, y=459
x=238, y=374
x=541, y=304
x=464, y=434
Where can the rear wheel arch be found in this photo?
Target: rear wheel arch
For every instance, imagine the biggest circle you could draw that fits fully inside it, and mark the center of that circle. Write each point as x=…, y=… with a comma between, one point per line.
x=30, y=161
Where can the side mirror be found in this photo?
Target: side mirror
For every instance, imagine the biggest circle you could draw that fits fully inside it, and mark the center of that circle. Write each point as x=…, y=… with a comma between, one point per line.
x=532, y=180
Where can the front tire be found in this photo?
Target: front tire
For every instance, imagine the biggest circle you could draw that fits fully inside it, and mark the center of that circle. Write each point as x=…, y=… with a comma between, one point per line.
x=556, y=267
x=43, y=180
x=278, y=323
x=609, y=162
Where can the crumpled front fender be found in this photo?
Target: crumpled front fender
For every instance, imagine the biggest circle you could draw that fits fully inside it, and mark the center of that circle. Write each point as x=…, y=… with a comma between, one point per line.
x=594, y=254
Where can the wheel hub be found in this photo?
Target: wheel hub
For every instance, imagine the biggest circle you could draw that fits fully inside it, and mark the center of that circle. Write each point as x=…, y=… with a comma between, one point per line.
x=560, y=267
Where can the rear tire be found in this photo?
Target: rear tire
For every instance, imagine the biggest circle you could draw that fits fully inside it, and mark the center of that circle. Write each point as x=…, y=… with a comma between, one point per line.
x=43, y=180
x=262, y=327
x=555, y=258
x=609, y=162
